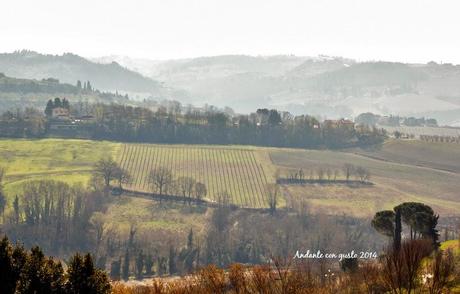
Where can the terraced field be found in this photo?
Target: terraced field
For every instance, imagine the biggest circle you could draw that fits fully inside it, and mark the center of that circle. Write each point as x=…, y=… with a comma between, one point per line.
x=239, y=171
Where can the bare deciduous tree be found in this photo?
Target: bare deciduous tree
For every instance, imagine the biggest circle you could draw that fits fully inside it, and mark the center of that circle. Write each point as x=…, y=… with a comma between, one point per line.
x=362, y=173
x=348, y=170
x=200, y=191
x=223, y=198
x=107, y=168
x=98, y=222
x=160, y=179
x=336, y=174
x=186, y=185
x=320, y=173
x=122, y=176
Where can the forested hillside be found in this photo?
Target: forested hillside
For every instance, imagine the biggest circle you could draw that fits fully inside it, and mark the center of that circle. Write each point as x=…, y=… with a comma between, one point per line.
x=16, y=93
x=69, y=68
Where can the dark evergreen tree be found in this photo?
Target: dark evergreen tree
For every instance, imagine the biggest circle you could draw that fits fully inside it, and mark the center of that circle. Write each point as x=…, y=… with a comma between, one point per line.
x=40, y=275
x=398, y=229
x=65, y=103
x=84, y=278
x=140, y=265
x=7, y=278
x=349, y=265
x=172, y=260
x=383, y=222
x=432, y=232
x=125, y=269
x=190, y=239
x=16, y=213
x=88, y=87
x=57, y=102
x=49, y=108
x=148, y=264
x=115, y=269
x=2, y=202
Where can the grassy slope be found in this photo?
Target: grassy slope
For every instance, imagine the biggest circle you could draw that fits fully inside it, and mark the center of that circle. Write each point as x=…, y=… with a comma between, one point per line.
x=67, y=160
x=151, y=216
x=435, y=155
x=394, y=183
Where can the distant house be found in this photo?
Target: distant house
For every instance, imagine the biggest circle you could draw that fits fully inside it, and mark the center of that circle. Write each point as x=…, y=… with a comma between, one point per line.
x=60, y=113
x=341, y=123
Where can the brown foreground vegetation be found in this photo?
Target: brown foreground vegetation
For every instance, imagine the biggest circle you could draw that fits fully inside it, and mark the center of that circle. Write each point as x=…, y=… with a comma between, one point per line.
x=412, y=269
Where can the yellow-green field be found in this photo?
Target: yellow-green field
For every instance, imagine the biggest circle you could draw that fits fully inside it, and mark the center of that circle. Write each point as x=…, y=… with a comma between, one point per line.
x=242, y=172
x=401, y=171
x=68, y=160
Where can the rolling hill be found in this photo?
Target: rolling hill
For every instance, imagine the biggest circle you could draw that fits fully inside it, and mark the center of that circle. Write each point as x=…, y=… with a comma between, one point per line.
x=68, y=68
x=18, y=93
x=324, y=86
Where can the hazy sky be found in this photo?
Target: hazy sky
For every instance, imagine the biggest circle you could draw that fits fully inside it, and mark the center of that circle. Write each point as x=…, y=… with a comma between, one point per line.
x=399, y=30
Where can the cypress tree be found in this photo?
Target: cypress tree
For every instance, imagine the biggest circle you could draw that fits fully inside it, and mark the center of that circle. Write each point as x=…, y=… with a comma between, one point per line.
x=172, y=260
x=397, y=235
x=139, y=265
x=57, y=102
x=49, y=108
x=125, y=269
x=148, y=264
x=16, y=209
x=190, y=239
x=115, y=269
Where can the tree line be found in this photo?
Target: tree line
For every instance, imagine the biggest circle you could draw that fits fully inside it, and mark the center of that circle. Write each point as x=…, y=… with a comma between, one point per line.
x=161, y=181
x=391, y=273
x=176, y=124
x=440, y=138
x=325, y=175
x=23, y=271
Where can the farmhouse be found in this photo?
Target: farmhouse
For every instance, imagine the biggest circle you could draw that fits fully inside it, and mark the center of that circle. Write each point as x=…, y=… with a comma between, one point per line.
x=328, y=123
x=60, y=113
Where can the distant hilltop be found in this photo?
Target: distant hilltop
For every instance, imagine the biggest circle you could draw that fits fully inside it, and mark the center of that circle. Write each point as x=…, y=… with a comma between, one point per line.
x=323, y=86
x=69, y=68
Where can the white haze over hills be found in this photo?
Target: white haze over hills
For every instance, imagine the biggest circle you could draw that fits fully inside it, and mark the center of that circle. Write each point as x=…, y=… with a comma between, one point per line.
x=324, y=86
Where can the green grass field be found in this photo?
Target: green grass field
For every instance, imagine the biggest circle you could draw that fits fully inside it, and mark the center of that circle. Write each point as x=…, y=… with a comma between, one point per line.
x=69, y=160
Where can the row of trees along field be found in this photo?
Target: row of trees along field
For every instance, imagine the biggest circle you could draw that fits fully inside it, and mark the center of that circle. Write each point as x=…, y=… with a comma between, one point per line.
x=161, y=181
x=138, y=124
x=164, y=185
x=441, y=139
x=325, y=175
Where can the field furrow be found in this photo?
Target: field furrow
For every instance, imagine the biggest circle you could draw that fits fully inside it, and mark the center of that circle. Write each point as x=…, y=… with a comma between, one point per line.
x=233, y=170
